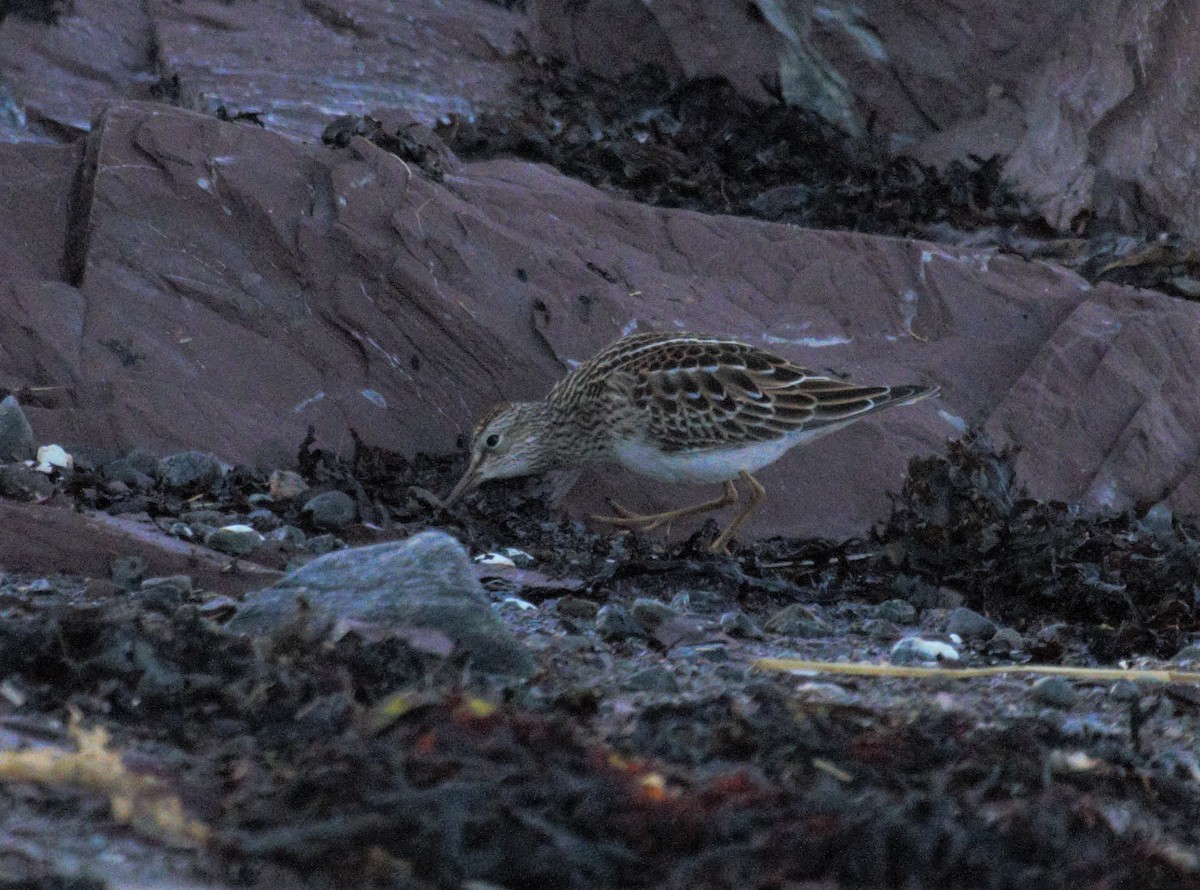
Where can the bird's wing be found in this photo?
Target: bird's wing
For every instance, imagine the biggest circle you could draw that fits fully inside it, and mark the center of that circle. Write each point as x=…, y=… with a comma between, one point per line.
x=700, y=392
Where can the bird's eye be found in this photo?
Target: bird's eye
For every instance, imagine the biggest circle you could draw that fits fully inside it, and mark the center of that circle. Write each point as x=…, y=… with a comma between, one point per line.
x=492, y=441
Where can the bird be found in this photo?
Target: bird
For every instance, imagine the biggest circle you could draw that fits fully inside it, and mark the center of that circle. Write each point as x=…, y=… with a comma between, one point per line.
x=676, y=407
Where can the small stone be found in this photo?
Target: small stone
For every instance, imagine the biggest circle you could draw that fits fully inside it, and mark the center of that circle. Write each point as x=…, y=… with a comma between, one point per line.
x=829, y=693
x=115, y=487
x=23, y=483
x=650, y=613
x=578, y=607
x=263, y=520
x=144, y=462
x=917, y=650
x=287, y=537
x=948, y=598
x=1125, y=690
x=970, y=625
x=424, y=582
x=180, y=530
x=235, y=540
x=878, y=629
x=124, y=472
x=191, y=471
x=896, y=611
x=285, y=485
x=1055, y=692
x=739, y=624
x=183, y=584
x=126, y=572
x=319, y=545
x=16, y=435
x=797, y=620
x=40, y=585
x=1187, y=656
x=331, y=510
x=652, y=679
x=614, y=623
x=700, y=602
x=1005, y=640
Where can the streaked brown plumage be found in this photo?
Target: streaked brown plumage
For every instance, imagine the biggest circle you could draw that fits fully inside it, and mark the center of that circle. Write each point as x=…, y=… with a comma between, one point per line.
x=679, y=408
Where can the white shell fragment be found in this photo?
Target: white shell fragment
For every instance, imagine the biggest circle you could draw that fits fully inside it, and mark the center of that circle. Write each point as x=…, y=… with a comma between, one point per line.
x=53, y=457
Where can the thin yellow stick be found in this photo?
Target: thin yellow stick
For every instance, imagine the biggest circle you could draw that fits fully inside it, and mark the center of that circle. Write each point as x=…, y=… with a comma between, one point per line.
x=1034, y=670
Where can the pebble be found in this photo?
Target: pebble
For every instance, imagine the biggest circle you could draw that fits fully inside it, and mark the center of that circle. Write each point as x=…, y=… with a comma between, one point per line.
x=1055, y=692
x=896, y=611
x=20, y=482
x=614, y=623
x=126, y=572
x=970, y=625
x=830, y=693
x=190, y=471
x=1188, y=655
x=53, y=457
x=797, y=620
x=287, y=537
x=578, y=607
x=264, y=520
x=235, y=540
x=739, y=624
x=16, y=435
x=126, y=473
x=331, y=510
x=285, y=485
x=917, y=650
x=1125, y=690
x=319, y=545
x=655, y=678
x=879, y=629
x=650, y=613
x=1005, y=640
x=425, y=581
x=700, y=602
x=144, y=462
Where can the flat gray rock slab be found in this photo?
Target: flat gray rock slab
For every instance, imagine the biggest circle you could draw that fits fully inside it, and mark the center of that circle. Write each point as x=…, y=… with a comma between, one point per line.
x=425, y=581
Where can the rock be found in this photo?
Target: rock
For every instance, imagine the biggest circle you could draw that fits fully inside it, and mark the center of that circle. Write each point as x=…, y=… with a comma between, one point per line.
x=319, y=545
x=796, y=620
x=264, y=520
x=1188, y=656
x=286, y=484
x=1005, y=640
x=896, y=611
x=16, y=435
x=53, y=457
x=24, y=483
x=144, y=462
x=191, y=471
x=287, y=538
x=829, y=693
x=652, y=679
x=1125, y=690
x=879, y=629
x=614, y=623
x=127, y=572
x=650, y=613
x=578, y=607
x=739, y=624
x=331, y=510
x=425, y=581
x=1054, y=691
x=127, y=474
x=970, y=625
x=917, y=650
x=235, y=540
x=700, y=602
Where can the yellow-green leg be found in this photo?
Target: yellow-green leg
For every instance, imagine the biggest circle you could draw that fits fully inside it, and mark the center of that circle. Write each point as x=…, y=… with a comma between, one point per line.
x=757, y=493
x=647, y=521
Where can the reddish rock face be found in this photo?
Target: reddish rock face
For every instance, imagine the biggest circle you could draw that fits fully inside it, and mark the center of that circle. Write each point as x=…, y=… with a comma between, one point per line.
x=181, y=282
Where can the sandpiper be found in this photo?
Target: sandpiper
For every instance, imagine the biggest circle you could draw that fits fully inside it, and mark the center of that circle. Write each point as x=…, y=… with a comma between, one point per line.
x=678, y=408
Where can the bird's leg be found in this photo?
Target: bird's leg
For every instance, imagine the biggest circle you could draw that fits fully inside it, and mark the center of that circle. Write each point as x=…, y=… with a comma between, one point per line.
x=647, y=521
x=757, y=493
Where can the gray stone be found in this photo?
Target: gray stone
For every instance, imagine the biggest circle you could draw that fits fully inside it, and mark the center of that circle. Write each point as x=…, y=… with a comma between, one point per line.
x=652, y=679
x=24, y=483
x=578, y=607
x=797, y=620
x=878, y=629
x=126, y=572
x=1005, y=640
x=124, y=472
x=235, y=540
x=331, y=510
x=264, y=520
x=16, y=435
x=425, y=581
x=917, y=650
x=614, y=623
x=1187, y=656
x=650, y=613
x=970, y=625
x=739, y=624
x=701, y=602
x=319, y=545
x=1055, y=692
x=897, y=611
x=1125, y=690
x=144, y=462
x=189, y=471
x=829, y=693
x=286, y=537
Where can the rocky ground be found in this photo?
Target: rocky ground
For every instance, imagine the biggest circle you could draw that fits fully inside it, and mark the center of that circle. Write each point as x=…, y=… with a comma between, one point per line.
x=288, y=665
x=552, y=706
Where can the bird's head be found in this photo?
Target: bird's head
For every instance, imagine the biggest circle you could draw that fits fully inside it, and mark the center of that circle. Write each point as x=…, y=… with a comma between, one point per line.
x=510, y=441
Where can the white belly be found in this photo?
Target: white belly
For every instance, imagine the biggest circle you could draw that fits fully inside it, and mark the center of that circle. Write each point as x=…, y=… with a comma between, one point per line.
x=710, y=465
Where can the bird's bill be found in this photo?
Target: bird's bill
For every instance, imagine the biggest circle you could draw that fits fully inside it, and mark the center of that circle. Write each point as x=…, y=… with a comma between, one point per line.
x=469, y=480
